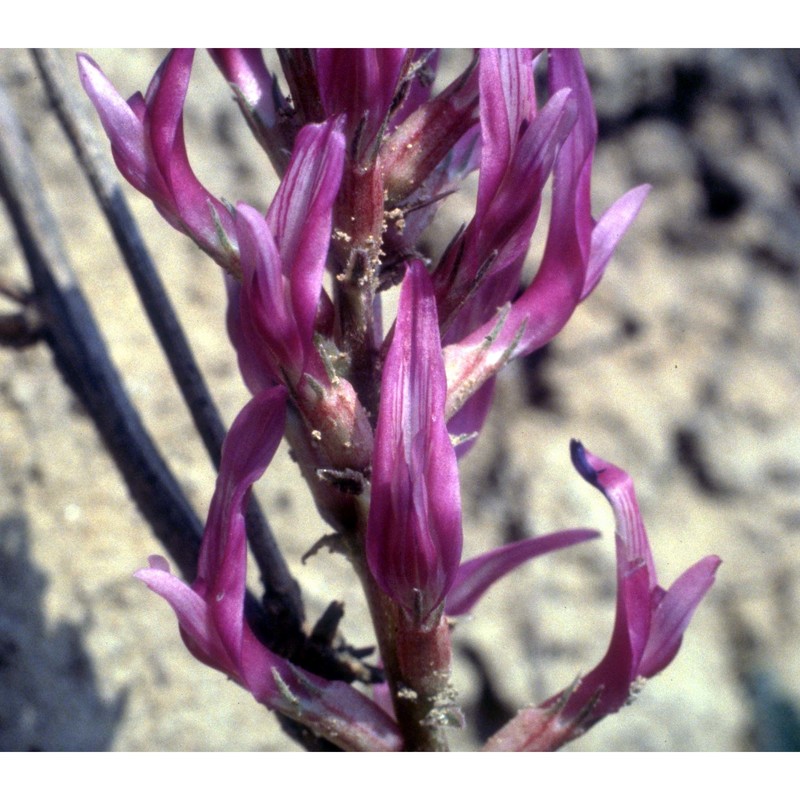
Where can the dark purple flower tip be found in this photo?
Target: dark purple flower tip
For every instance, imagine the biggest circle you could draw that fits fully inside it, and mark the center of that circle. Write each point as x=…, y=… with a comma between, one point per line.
x=650, y=621
x=581, y=463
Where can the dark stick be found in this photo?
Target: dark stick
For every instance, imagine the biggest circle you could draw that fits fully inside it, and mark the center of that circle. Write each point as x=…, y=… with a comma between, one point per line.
x=81, y=356
x=282, y=593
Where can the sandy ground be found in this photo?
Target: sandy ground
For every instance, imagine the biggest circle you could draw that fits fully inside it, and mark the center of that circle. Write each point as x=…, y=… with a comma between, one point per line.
x=682, y=368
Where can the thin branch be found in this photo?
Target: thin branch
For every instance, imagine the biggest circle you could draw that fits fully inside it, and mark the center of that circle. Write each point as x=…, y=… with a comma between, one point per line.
x=81, y=355
x=282, y=594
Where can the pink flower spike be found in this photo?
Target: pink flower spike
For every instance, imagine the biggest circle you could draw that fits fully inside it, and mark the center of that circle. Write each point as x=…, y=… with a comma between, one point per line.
x=413, y=538
x=475, y=577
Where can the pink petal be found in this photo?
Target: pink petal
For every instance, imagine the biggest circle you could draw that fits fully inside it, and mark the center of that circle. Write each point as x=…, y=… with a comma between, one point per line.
x=475, y=577
x=607, y=233
x=256, y=370
x=125, y=130
x=673, y=614
x=507, y=102
x=249, y=447
x=196, y=626
x=301, y=214
x=268, y=324
x=164, y=124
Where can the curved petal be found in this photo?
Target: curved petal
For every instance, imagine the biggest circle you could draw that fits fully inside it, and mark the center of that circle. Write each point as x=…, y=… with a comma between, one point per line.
x=301, y=215
x=268, y=322
x=475, y=577
x=607, y=233
x=674, y=612
x=200, y=212
x=125, y=130
x=649, y=622
x=647, y=632
x=148, y=146
x=249, y=447
x=196, y=626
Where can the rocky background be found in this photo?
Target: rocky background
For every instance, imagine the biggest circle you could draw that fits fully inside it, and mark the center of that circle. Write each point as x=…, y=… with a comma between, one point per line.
x=683, y=368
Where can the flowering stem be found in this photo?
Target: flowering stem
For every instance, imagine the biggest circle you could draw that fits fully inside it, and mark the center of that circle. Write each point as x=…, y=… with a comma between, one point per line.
x=417, y=665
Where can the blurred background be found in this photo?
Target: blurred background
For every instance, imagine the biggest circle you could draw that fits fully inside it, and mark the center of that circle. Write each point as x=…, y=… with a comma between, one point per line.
x=683, y=368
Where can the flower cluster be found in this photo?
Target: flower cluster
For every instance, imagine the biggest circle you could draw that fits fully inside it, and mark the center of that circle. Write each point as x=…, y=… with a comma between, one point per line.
x=377, y=418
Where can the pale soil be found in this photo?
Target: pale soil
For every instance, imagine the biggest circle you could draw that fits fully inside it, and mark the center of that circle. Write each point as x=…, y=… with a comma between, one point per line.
x=682, y=367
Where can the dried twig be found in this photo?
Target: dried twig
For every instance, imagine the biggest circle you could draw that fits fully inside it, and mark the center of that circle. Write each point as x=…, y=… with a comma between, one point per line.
x=81, y=356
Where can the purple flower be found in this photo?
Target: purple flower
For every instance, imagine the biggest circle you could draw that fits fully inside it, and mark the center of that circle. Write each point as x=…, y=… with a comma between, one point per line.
x=480, y=271
x=147, y=142
x=414, y=532
x=210, y=611
x=577, y=248
x=366, y=154
x=283, y=263
x=648, y=630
